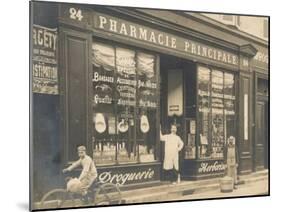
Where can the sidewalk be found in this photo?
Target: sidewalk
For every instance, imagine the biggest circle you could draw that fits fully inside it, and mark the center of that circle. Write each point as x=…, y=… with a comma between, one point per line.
x=252, y=184
x=254, y=188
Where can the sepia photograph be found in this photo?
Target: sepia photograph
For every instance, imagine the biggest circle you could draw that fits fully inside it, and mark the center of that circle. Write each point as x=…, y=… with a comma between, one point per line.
x=134, y=105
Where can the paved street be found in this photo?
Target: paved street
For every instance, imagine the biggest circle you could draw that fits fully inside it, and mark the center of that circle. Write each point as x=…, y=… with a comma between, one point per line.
x=254, y=188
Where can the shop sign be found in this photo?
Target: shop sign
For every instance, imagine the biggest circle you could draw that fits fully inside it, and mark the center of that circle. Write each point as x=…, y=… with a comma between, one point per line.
x=44, y=60
x=210, y=167
x=163, y=39
x=261, y=59
x=127, y=175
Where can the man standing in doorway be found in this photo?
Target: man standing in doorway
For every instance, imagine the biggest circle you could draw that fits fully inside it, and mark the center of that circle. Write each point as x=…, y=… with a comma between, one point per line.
x=173, y=144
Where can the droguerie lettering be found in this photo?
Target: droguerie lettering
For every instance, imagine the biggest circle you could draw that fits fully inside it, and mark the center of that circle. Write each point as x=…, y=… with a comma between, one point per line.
x=125, y=178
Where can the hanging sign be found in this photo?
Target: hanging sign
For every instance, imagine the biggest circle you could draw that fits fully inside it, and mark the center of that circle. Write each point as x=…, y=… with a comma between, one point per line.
x=175, y=93
x=44, y=60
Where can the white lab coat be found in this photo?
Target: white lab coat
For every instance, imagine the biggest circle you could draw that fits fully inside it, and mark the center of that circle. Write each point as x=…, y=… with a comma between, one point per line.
x=173, y=144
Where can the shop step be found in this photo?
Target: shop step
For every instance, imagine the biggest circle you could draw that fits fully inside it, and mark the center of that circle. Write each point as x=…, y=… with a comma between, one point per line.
x=169, y=187
x=168, y=191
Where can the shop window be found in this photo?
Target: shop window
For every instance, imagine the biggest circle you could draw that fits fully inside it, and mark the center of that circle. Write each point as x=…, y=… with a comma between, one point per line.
x=229, y=105
x=217, y=121
x=216, y=100
x=204, y=96
x=104, y=119
x=147, y=106
x=262, y=87
x=125, y=105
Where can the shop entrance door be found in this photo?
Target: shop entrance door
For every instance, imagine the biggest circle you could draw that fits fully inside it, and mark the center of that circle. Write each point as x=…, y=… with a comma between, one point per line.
x=178, y=106
x=266, y=144
x=262, y=135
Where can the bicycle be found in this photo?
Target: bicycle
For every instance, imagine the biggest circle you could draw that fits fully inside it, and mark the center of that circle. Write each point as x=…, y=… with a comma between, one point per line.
x=98, y=194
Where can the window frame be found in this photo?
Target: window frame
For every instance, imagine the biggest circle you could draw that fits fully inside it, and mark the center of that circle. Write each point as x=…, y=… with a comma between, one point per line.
x=210, y=114
x=116, y=45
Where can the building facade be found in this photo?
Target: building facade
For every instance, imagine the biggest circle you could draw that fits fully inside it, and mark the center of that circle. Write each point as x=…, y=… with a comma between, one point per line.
x=115, y=75
x=253, y=25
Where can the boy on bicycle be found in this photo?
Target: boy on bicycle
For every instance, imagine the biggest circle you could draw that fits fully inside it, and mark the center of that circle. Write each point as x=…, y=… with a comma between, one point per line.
x=89, y=171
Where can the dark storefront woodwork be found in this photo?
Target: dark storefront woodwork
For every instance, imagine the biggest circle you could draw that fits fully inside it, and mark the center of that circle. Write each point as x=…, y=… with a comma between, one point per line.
x=260, y=66
x=261, y=144
x=75, y=91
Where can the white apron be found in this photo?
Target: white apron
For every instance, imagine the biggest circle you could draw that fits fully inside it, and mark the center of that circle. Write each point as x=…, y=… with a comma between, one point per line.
x=231, y=164
x=173, y=144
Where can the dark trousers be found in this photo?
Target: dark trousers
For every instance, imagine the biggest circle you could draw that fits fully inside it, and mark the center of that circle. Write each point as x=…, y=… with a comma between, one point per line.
x=171, y=175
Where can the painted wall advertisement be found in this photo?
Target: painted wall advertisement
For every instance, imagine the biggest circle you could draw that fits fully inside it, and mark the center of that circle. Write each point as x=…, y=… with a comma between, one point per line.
x=44, y=60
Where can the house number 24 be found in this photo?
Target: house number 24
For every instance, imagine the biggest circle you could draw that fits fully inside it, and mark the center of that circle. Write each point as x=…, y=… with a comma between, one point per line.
x=75, y=14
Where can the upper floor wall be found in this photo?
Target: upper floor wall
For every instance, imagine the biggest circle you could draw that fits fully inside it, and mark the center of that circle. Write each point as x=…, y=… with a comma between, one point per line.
x=257, y=26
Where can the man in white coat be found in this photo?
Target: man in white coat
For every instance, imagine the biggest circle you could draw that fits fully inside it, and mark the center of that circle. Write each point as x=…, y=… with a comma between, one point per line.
x=173, y=144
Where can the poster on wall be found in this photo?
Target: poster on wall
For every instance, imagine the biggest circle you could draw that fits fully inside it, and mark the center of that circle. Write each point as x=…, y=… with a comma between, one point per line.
x=44, y=60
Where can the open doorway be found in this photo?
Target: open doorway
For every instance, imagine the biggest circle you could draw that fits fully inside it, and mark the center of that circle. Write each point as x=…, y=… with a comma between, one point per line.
x=178, y=100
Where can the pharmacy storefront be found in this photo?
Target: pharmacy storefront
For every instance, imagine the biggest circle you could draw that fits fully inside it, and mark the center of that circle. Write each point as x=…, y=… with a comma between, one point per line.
x=123, y=74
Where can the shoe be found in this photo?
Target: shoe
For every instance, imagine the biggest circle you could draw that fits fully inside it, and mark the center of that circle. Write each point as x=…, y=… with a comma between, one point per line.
x=85, y=200
x=179, y=179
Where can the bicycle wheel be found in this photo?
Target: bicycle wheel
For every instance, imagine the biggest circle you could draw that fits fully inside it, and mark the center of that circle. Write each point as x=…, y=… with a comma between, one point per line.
x=108, y=194
x=57, y=198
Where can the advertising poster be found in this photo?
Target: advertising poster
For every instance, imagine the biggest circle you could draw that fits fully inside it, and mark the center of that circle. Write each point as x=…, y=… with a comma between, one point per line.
x=44, y=60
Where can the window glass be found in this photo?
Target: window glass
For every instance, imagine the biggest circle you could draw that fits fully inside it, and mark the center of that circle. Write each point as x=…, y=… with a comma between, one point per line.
x=104, y=128
x=190, y=146
x=204, y=111
x=229, y=105
x=147, y=104
x=216, y=105
x=217, y=123
x=125, y=104
x=262, y=87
